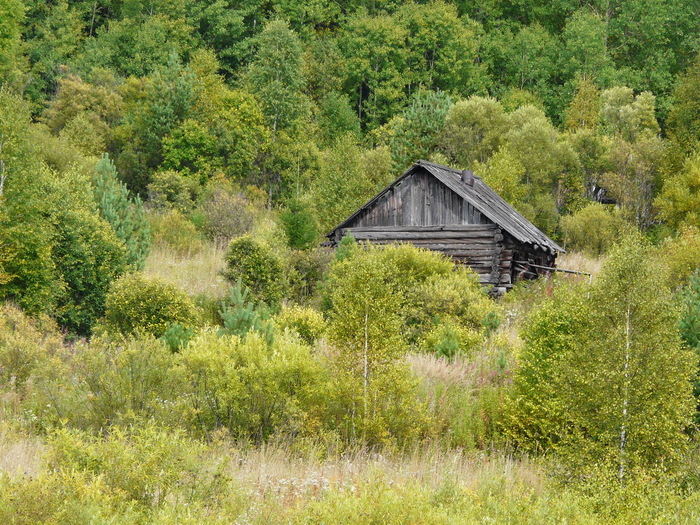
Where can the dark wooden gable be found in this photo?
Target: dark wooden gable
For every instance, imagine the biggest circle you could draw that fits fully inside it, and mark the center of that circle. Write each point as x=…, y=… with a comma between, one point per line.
x=418, y=199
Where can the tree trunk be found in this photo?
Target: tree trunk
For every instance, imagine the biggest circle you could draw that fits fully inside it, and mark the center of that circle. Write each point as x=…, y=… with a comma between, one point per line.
x=625, y=399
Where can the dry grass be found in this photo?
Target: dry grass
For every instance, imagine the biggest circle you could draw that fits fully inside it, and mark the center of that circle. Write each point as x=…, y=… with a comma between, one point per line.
x=580, y=262
x=20, y=455
x=271, y=471
x=197, y=272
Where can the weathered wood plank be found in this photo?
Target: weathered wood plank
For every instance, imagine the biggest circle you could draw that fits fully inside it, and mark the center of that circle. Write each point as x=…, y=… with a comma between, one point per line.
x=486, y=228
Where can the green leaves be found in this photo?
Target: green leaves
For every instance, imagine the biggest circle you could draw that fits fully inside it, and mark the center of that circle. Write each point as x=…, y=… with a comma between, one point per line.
x=604, y=377
x=123, y=212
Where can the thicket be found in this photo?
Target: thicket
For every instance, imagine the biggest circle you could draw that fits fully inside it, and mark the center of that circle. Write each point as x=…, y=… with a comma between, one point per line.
x=239, y=135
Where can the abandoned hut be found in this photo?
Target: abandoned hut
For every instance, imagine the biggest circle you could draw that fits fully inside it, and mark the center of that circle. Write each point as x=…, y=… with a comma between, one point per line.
x=456, y=213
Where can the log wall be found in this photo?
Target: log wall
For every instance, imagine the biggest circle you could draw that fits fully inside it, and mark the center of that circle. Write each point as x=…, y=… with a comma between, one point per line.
x=479, y=246
x=494, y=255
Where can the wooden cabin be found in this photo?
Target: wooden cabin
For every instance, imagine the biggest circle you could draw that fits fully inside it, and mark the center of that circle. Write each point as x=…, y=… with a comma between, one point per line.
x=456, y=213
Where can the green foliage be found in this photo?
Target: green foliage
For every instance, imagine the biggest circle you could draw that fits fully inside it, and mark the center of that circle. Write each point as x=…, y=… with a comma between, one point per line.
x=379, y=298
x=375, y=53
x=347, y=178
x=123, y=212
x=177, y=232
x=448, y=339
x=299, y=225
x=680, y=256
x=88, y=256
x=257, y=268
x=605, y=378
x=336, y=117
x=473, y=131
x=308, y=323
x=138, y=304
x=248, y=387
x=626, y=114
x=690, y=328
x=683, y=122
x=240, y=316
x=11, y=14
x=177, y=336
x=450, y=296
x=415, y=132
x=169, y=464
x=91, y=387
x=304, y=271
x=171, y=190
x=594, y=229
x=24, y=344
x=27, y=271
x=275, y=74
x=679, y=200
x=170, y=98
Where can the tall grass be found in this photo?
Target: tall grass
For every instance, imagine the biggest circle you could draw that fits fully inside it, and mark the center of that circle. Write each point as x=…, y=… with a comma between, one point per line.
x=197, y=271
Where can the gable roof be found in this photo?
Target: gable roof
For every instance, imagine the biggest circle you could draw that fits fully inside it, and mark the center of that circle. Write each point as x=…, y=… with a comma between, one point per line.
x=481, y=197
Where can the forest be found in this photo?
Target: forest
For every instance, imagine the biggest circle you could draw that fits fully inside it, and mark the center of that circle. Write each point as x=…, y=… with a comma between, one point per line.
x=177, y=346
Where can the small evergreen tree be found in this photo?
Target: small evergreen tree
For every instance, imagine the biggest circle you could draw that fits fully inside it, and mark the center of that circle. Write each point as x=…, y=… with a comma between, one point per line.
x=123, y=212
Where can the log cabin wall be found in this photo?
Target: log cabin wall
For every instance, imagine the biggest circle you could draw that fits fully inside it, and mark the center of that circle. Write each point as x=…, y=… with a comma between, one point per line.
x=478, y=246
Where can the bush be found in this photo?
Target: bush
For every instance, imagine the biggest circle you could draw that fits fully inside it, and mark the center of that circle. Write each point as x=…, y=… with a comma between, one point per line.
x=170, y=190
x=299, y=226
x=177, y=232
x=88, y=257
x=449, y=339
x=257, y=268
x=306, y=322
x=223, y=212
x=251, y=388
x=126, y=382
x=680, y=256
x=305, y=270
x=144, y=465
x=138, y=304
x=456, y=296
x=594, y=229
x=24, y=344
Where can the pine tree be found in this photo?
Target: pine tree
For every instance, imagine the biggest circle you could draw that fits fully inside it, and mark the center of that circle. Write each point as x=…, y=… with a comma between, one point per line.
x=123, y=212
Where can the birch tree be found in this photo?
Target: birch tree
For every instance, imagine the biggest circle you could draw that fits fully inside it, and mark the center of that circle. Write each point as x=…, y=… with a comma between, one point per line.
x=617, y=378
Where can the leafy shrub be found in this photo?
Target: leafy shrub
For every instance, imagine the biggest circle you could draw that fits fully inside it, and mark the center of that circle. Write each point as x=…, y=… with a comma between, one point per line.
x=223, y=212
x=299, y=226
x=456, y=295
x=143, y=465
x=304, y=271
x=257, y=267
x=448, y=339
x=138, y=304
x=250, y=388
x=680, y=256
x=177, y=232
x=594, y=229
x=25, y=343
x=124, y=382
x=88, y=257
x=306, y=322
x=170, y=190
